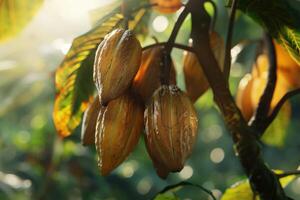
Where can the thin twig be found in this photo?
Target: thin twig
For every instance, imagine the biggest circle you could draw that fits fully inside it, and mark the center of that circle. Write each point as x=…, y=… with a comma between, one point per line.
x=184, y=183
x=175, y=45
x=175, y=30
x=227, y=60
x=266, y=98
x=279, y=105
x=288, y=173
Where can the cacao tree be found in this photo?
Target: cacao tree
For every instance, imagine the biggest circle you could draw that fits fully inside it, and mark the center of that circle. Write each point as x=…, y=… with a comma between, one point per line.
x=126, y=89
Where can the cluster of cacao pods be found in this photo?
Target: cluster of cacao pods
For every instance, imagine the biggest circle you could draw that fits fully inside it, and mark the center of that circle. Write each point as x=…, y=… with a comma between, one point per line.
x=132, y=97
x=252, y=85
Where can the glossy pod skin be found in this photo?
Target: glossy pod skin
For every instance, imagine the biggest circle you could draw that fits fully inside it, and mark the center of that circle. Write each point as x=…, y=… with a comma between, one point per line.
x=117, y=61
x=147, y=79
x=89, y=122
x=171, y=129
x=195, y=80
x=117, y=132
x=167, y=6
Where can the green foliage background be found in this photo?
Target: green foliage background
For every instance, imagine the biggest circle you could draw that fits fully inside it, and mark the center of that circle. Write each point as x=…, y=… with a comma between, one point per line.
x=36, y=164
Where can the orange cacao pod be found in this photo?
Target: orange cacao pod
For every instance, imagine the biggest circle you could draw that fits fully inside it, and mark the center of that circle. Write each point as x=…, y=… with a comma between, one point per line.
x=117, y=61
x=171, y=129
x=167, y=6
x=118, y=130
x=195, y=80
x=147, y=79
x=89, y=122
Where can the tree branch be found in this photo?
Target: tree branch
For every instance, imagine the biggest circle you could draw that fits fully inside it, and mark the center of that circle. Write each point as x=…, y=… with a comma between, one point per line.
x=277, y=108
x=288, y=173
x=175, y=45
x=227, y=60
x=262, y=179
x=263, y=108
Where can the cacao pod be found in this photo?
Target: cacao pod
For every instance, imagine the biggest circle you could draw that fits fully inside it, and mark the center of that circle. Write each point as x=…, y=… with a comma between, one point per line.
x=147, y=79
x=89, y=122
x=167, y=6
x=252, y=86
x=195, y=80
x=118, y=130
x=243, y=98
x=117, y=61
x=171, y=129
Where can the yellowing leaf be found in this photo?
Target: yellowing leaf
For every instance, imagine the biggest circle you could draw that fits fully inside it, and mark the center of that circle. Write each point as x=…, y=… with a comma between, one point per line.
x=15, y=15
x=242, y=189
x=73, y=78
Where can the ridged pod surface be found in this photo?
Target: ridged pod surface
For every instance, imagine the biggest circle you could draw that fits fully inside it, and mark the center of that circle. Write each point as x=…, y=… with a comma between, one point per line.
x=147, y=79
x=167, y=6
x=195, y=80
x=118, y=130
x=117, y=61
x=89, y=122
x=171, y=129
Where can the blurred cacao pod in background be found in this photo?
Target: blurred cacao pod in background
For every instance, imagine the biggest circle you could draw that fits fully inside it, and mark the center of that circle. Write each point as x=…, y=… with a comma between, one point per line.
x=252, y=86
x=171, y=129
x=115, y=66
x=118, y=131
x=147, y=79
x=243, y=98
x=195, y=81
x=89, y=122
x=260, y=75
x=167, y=6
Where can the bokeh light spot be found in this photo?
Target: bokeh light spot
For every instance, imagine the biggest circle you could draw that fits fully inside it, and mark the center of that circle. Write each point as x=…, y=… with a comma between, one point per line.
x=217, y=155
x=160, y=23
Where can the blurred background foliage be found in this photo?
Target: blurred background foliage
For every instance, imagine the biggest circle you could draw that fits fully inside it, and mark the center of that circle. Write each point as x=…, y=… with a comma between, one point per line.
x=36, y=164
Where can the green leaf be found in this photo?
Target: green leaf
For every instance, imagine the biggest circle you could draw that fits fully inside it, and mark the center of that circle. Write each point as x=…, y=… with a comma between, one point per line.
x=73, y=78
x=242, y=189
x=166, y=196
x=280, y=19
x=15, y=15
x=276, y=133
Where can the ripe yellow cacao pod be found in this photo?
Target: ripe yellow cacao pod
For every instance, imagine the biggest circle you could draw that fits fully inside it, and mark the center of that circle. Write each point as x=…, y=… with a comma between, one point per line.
x=117, y=61
x=167, y=6
x=195, y=80
x=147, y=79
x=171, y=129
x=118, y=130
x=89, y=122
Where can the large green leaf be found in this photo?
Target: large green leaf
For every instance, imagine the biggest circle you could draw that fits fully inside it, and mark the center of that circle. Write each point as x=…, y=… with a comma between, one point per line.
x=242, y=189
x=73, y=78
x=15, y=15
x=280, y=19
